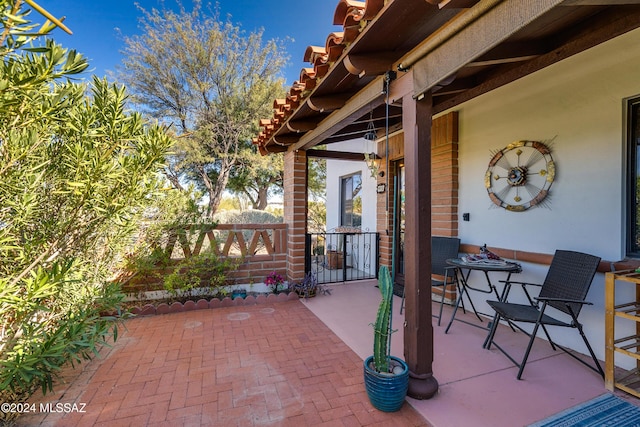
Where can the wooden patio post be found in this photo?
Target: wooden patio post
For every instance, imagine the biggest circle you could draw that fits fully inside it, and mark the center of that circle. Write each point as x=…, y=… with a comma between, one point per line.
x=418, y=329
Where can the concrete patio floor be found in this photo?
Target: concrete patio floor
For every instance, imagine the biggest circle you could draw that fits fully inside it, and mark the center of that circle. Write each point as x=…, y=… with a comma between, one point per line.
x=477, y=387
x=299, y=363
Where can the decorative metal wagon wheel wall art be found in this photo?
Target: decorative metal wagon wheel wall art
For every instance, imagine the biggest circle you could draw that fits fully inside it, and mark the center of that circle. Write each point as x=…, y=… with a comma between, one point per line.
x=520, y=175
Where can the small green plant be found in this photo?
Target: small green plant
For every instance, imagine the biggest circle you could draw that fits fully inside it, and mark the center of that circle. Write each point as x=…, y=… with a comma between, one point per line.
x=203, y=274
x=382, y=328
x=386, y=377
x=309, y=287
x=148, y=265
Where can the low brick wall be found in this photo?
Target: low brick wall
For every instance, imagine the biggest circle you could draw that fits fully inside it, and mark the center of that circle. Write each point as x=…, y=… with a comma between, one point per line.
x=261, y=247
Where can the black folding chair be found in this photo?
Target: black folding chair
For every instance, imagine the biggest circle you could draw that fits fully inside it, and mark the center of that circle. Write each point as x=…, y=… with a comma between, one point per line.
x=442, y=274
x=565, y=289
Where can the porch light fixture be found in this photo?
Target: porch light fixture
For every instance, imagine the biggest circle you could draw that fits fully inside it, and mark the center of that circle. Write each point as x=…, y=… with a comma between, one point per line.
x=370, y=156
x=372, y=163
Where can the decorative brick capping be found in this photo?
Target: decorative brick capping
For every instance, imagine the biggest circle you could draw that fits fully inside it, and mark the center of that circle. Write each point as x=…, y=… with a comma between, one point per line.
x=203, y=304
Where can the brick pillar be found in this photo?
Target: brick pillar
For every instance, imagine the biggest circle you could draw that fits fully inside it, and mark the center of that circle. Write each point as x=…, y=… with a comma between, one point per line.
x=444, y=184
x=444, y=175
x=295, y=211
x=385, y=199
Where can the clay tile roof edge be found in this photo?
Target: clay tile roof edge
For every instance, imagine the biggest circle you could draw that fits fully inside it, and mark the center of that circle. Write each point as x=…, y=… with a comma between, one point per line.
x=312, y=52
x=348, y=13
x=334, y=38
x=372, y=8
x=307, y=74
x=344, y=8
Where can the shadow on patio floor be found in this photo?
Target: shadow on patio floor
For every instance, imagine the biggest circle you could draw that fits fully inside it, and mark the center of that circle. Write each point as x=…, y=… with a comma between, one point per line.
x=299, y=363
x=271, y=364
x=477, y=387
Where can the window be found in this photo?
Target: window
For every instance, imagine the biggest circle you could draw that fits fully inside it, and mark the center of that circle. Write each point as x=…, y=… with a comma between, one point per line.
x=633, y=178
x=351, y=200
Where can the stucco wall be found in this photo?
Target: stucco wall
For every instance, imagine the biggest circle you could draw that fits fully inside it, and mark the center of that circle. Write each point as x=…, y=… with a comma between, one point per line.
x=339, y=168
x=578, y=106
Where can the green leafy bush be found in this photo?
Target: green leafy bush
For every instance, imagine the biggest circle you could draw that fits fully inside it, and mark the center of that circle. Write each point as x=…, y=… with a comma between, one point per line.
x=76, y=173
x=166, y=212
x=204, y=274
x=246, y=217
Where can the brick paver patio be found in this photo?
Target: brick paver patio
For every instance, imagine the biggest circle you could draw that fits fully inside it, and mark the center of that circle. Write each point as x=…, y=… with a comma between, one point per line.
x=260, y=365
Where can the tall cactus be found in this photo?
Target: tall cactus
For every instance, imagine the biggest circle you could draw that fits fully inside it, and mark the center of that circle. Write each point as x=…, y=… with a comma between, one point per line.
x=382, y=327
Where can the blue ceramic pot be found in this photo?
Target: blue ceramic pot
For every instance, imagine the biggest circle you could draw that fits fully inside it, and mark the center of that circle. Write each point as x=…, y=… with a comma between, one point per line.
x=238, y=293
x=386, y=391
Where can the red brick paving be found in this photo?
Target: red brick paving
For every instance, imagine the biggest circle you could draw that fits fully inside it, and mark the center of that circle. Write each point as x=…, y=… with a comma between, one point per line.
x=262, y=365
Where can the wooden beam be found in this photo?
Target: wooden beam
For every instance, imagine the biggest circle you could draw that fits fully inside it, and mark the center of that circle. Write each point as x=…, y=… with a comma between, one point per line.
x=458, y=85
x=328, y=103
x=336, y=155
x=598, y=2
x=286, y=139
x=453, y=4
x=401, y=86
x=476, y=37
x=371, y=64
x=509, y=52
x=303, y=125
x=368, y=98
x=271, y=149
x=608, y=25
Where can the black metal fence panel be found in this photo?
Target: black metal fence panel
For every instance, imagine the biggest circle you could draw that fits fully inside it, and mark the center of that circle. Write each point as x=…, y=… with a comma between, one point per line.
x=342, y=256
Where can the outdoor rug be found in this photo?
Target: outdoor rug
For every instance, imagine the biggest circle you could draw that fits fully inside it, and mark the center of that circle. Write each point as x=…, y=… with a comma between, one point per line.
x=605, y=410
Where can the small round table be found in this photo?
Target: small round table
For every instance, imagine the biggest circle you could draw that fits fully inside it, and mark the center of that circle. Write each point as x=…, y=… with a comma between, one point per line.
x=486, y=266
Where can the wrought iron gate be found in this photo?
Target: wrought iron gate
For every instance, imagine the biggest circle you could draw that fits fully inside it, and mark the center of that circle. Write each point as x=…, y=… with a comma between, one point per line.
x=342, y=256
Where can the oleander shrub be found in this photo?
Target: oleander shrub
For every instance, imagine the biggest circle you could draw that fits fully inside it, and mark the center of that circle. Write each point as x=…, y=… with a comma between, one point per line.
x=77, y=170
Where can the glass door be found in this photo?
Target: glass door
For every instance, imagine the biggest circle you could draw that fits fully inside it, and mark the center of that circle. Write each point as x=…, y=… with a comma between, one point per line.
x=399, y=218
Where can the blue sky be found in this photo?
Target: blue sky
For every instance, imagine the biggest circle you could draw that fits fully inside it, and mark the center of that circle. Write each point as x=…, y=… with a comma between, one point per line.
x=95, y=25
